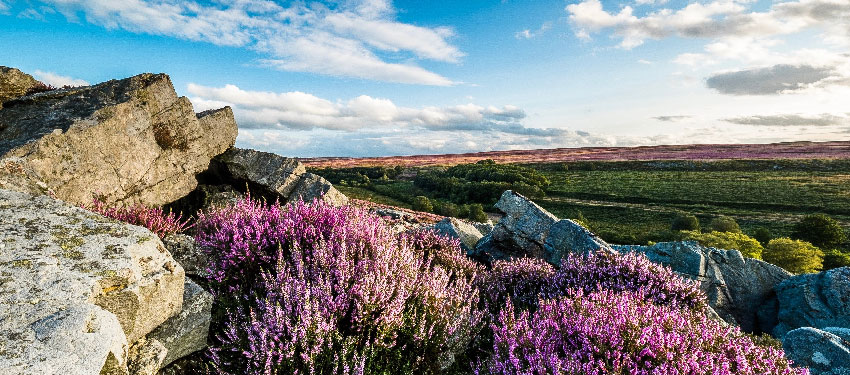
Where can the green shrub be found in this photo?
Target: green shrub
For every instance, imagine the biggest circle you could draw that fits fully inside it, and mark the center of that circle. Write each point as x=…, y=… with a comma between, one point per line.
x=747, y=245
x=446, y=209
x=422, y=203
x=476, y=213
x=820, y=230
x=763, y=235
x=834, y=258
x=685, y=222
x=724, y=224
x=794, y=255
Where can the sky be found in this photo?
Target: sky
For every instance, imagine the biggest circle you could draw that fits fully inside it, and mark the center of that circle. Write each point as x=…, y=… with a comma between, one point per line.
x=380, y=77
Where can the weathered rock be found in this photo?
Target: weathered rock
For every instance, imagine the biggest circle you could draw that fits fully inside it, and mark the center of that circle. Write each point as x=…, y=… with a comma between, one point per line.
x=567, y=236
x=313, y=187
x=822, y=352
x=267, y=174
x=129, y=141
x=186, y=252
x=737, y=288
x=484, y=228
x=186, y=332
x=146, y=357
x=76, y=288
x=521, y=232
x=14, y=83
x=465, y=232
x=15, y=176
x=814, y=300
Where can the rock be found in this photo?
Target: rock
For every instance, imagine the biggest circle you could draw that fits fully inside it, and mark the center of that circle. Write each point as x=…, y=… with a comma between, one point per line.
x=814, y=300
x=146, y=357
x=186, y=252
x=14, y=83
x=521, y=232
x=822, y=352
x=266, y=174
x=14, y=175
x=484, y=228
x=186, y=332
x=738, y=288
x=312, y=187
x=129, y=141
x=567, y=236
x=76, y=288
x=465, y=232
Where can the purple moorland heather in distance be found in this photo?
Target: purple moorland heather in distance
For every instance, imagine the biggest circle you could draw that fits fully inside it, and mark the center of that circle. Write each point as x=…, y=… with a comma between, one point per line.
x=331, y=291
x=153, y=218
x=607, y=332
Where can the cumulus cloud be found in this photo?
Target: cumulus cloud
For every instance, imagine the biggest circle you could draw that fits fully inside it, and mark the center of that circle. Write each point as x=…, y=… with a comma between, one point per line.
x=340, y=40
x=303, y=111
x=823, y=119
x=57, y=80
x=772, y=80
x=528, y=33
x=673, y=118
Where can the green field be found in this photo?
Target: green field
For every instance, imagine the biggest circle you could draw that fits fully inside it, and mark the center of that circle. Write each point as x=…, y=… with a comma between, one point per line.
x=635, y=202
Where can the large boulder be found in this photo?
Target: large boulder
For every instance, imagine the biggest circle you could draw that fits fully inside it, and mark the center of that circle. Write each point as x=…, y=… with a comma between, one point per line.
x=463, y=231
x=312, y=187
x=76, y=288
x=739, y=289
x=521, y=232
x=186, y=252
x=814, y=300
x=129, y=141
x=823, y=351
x=14, y=83
x=567, y=236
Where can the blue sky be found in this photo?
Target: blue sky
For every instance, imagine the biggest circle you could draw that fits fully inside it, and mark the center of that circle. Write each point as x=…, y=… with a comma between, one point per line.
x=377, y=77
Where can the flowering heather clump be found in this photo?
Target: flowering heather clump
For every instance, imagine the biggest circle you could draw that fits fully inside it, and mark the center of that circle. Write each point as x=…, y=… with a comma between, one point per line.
x=153, y=218
x=521, y=281
x=330, y=291
x=445, y=252
x=623, y=333
x=627, y=272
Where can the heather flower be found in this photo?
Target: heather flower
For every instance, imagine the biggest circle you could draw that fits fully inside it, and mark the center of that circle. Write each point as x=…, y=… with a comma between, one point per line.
x=445, y=252
x=608, y=332
x=153, y=218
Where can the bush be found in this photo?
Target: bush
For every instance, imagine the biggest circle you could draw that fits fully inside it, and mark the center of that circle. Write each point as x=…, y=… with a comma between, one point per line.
x=153, y=218
x=763, y=235
x=315, y=289
x=422, y=203
x=834, y=258
x=820, y=230
x=747, y=245
x=685, y=222
x=476, y=213
x=794, y=255
x=724, y=224
x=622, y=333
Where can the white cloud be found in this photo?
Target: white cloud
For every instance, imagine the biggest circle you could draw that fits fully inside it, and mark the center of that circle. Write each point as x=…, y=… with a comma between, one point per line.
x=644, y=62
x=795, y=119
x=339, y=40
x=57, y=80
x=528, y=33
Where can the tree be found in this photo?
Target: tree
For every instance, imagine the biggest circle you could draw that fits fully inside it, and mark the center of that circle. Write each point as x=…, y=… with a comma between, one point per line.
x=763, y=235
x=476, y=213
x=821, y=230
x=747, y=245
x=422, y=203
x=724, y=224
x=794, y=255
x=685, y=222
x=834, y=258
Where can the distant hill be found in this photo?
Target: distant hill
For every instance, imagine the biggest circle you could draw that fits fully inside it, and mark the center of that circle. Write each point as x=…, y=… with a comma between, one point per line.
x=785, y=150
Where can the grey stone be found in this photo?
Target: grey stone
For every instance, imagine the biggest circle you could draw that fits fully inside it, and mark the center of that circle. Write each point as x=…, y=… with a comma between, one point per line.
x=16, y=175
x=567, y=236
x=76, y=287
x=484, y=228
x=186, y=252
x=738, y=289
x=814, y=300
x=14, y=83
x=465, y=232
x=186, y=332
x=312, y=187
x=265, y=173
x=521, y=232
x=128, y=141
x=146, y=357
x=822, y=352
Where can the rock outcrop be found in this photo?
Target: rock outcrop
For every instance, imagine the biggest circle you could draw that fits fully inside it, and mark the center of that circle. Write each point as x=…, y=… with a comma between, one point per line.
x=521, y=232
x=463, y=231
x=14, y=83
x=128, y=141
x=567, y=236
x=824, y=352
x=739, y=289
x=77, y=288
x=186, y=252
x=813, y=300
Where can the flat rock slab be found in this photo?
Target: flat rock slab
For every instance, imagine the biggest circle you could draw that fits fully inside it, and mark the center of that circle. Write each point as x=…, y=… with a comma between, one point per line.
x=76, y=288
x=817, y=300
x=822, y=351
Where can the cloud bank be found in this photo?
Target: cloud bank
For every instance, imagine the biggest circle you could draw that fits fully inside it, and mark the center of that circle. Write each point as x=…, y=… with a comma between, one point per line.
x=823, y=119
x=57, y=80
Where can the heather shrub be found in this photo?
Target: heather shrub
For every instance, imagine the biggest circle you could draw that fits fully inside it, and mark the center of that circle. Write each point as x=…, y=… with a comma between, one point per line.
x=685, y=222
x=443, y=251
x=623, y=333
x=748, y=246
x=724, y=224
x=794, y=255
x=820, y=230
x=521, y=281
x=153, y=218
x=314, y=289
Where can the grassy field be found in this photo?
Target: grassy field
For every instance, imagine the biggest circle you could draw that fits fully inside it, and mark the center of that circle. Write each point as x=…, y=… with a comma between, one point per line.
x=635, y=201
